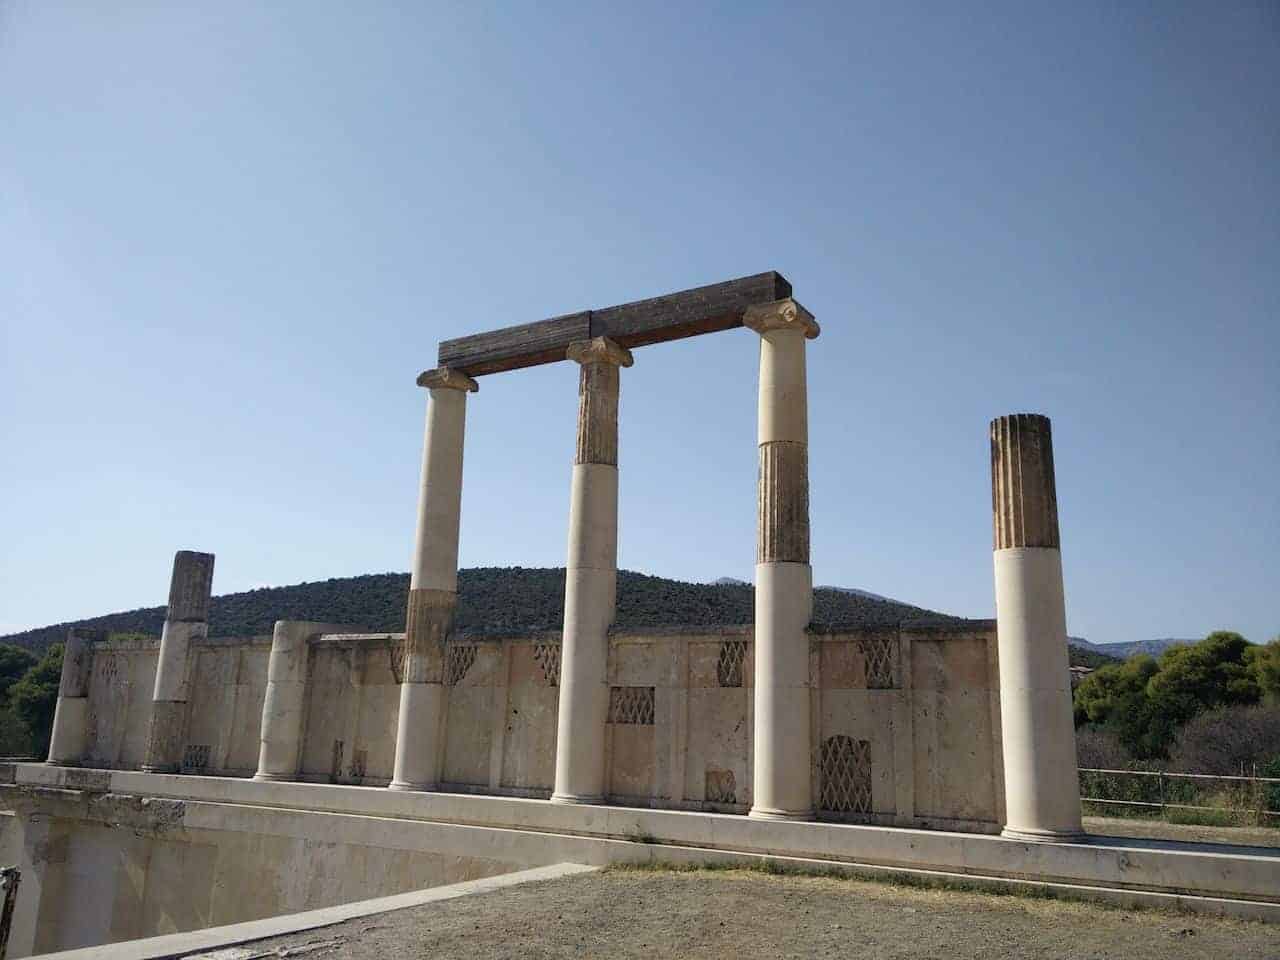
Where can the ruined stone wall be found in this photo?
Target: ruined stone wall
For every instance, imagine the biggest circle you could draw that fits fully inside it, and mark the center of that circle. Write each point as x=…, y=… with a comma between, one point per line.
x=905, y=720
x=227, y=680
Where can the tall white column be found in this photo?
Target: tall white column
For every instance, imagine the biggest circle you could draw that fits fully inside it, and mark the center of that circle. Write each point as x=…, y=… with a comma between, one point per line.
x=784, y=580
x=433, y=583
x=1042, y=783
x=591, y=578
x=280, y=736
x=69, y=741
x=186, y=622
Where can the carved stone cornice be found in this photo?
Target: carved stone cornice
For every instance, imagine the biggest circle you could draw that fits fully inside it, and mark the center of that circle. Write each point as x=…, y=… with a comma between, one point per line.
x=599, y=350
x=781, y=315
x=448, y=379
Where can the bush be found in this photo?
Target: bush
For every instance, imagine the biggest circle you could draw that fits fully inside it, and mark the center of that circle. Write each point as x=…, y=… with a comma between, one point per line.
x=1101, y=749
x=1228, y=741
x=34, y=698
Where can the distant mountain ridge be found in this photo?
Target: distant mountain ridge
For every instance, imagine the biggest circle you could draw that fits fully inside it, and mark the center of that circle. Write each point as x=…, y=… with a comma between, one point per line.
x=1122, y=651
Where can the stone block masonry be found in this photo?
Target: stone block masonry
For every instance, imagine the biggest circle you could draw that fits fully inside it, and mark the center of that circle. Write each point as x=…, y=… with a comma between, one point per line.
x=186, y=621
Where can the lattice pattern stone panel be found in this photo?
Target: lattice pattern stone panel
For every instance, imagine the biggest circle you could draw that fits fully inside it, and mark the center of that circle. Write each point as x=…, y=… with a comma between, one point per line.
x=878, y=653
x=458, y=660
x=846, y=775
x=631, y=705
x=548, y=657
x=729, y=666
x=721, y=786
x=195, y=756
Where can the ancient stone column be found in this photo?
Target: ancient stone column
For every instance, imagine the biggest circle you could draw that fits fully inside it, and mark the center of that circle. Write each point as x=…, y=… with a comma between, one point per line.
x=784, y=580
x=433, y=582
x=71, y=715
x=184, y=623
x=1042, y=785
x=591, y=578
x=280, y=736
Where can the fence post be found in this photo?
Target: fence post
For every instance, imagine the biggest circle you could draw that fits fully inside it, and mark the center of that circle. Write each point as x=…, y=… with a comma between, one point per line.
x=1161, y=779
x=1258, y=818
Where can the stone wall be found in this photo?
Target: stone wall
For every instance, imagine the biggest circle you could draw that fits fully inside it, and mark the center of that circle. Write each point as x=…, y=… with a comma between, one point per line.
x=905, y=721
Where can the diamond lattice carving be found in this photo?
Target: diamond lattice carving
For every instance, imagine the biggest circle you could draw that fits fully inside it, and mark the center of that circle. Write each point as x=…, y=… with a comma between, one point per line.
x=877, y=653
x=548, y=657
x=846, y=775
x=458, y=660
x=631, y=705
x=729, y=666
x=395, y=651
x=195, y=756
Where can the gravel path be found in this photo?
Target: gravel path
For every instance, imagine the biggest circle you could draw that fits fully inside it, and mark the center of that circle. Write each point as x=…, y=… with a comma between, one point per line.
x=656, y=915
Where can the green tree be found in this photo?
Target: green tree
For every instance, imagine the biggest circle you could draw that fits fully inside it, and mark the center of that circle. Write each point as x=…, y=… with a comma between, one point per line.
x=1212, y=673
x=1144, y=702
x=34, y=698
x=1265, y=664
x=14, y=663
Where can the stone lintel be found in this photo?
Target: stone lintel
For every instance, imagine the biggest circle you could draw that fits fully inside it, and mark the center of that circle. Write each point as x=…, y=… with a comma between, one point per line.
x=785, y=314
x=447, y=378
x=599, y=350
x=1024, y=499
x=673, y=316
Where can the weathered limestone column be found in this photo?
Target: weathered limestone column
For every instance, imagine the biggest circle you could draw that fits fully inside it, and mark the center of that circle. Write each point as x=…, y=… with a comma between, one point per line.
x=280, y=736
x=591, y=580
x=1042, y=783
x=71, y=715
x=782, y=786
x=185, y=621
x=433, y=582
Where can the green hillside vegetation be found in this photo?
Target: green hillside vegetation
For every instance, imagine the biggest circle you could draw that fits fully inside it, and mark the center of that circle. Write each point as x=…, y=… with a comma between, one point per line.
x=492, y=601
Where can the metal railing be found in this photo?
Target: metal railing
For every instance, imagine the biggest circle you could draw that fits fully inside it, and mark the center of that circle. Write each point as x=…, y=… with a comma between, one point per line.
x=1249, y=795
x=9, y=879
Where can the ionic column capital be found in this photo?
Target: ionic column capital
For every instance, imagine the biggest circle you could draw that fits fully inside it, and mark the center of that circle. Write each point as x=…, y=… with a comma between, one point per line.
x=599, y=350
x=785, y=314
x=447, y=378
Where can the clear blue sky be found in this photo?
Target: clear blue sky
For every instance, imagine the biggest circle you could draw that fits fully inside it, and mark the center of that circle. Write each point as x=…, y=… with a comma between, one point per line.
x=231, y=234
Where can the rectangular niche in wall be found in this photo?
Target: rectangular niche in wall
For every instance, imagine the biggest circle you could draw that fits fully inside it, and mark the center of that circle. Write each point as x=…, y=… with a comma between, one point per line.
x=845, y=776
x=729, y=663
x=196, y=757
x=631, y=705
x=458, y=660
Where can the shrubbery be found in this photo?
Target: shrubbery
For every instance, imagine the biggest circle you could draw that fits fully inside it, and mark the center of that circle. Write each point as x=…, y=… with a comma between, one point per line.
x=1144, y=702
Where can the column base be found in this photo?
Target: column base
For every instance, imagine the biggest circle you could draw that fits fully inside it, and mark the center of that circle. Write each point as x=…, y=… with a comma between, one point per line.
x=593, y=800
x=63, y=763
x=769, y=813
x=274, y=778
x=405, y=786
x=1033, y=835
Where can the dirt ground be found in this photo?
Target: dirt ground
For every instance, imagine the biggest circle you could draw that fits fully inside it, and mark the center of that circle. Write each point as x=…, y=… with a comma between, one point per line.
x=657, y=915
x=1158, y=829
